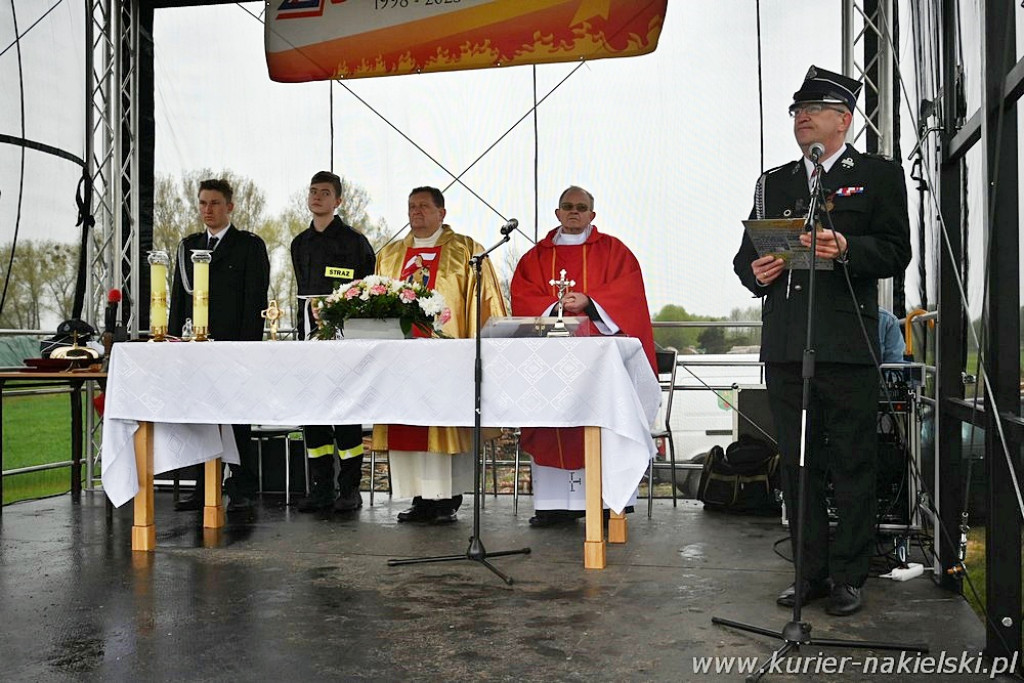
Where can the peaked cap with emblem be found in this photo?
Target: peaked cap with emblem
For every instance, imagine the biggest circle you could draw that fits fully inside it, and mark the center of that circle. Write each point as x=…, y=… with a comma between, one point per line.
x=825, y=86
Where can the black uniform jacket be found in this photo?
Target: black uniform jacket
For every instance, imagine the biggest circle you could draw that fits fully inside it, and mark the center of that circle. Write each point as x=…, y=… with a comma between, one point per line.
x=869, y=199
x=340, y=248
x=239, y=280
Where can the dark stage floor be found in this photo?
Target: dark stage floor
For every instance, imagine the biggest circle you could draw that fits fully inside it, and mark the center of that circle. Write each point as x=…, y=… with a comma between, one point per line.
x=287, y=596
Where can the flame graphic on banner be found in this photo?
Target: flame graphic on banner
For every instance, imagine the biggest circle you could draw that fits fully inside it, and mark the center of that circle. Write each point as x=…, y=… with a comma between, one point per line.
x=495, y=33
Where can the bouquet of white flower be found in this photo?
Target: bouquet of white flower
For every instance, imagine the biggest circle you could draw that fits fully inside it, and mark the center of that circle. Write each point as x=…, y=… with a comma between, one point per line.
x=381, y=297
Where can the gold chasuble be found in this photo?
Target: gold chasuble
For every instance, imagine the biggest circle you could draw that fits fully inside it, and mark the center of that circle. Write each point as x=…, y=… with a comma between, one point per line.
x=455, y=280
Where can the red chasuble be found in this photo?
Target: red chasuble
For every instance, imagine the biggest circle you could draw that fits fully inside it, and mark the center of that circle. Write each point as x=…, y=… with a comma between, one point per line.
x=605, y=270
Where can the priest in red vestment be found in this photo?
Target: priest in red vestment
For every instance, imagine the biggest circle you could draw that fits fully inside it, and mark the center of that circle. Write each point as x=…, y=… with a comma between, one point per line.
x=609, y=292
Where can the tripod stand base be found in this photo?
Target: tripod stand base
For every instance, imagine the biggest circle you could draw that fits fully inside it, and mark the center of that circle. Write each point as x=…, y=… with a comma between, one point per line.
x=797, y=633
x=475, y=552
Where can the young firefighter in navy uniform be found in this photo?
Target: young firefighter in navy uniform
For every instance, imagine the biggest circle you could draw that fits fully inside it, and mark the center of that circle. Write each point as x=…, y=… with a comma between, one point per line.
x=239, y=279
x=866, y=201
x=327, y=254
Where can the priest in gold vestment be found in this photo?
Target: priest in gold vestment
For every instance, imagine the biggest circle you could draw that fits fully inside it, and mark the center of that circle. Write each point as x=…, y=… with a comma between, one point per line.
x=434, y=465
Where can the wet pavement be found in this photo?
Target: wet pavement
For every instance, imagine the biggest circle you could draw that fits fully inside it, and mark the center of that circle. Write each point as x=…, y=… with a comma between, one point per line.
x=279, y=595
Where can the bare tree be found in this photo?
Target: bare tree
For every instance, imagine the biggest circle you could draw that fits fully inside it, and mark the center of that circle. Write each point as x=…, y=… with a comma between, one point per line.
x=26, y=288
x=294, y=218
x=378, y=233
x=59, y=264
x=750, y=336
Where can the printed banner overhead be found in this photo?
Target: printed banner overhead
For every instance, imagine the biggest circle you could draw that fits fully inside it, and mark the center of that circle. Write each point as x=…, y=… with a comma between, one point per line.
x=314, y=40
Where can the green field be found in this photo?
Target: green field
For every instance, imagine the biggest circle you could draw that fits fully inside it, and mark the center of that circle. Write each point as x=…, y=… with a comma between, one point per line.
x=37, y=430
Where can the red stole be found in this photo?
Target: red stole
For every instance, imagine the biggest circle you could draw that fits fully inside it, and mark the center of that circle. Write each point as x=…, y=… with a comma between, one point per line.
x=420, y=268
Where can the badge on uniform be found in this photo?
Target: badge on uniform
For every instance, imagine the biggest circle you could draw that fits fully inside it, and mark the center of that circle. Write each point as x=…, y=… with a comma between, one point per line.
x=849, y=191
x=339, y=273
x=847, y=163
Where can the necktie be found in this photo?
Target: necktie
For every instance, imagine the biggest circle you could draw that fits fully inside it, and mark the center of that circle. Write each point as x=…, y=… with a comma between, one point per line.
x=212, y=244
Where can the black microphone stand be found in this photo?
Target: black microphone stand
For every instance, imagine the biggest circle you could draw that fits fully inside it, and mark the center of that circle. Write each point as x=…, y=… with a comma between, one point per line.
x=475, y=551
x=796, y=632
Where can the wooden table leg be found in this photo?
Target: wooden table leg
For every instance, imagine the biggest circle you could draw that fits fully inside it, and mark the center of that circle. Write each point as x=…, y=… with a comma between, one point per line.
x=617, y=528
x=593, y=546
x=143, y=529
x=213, y=508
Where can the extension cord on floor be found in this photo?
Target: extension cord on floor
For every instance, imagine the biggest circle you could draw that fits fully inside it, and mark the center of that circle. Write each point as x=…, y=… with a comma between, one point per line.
x=911, y=571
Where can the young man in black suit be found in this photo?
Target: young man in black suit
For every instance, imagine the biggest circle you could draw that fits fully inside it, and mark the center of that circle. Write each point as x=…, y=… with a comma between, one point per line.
x=239, y=280
x=866, y=236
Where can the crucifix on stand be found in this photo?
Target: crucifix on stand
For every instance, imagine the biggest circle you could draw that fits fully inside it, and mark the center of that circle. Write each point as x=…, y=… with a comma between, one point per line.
x=563, y=285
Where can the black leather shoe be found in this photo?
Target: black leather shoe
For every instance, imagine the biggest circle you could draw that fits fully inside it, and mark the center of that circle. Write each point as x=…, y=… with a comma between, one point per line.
x=546, y=518
x=348, y=502
x=812, y=590
x=417, y=513
x=192, y=503
x=844, y=600
x=443, y=516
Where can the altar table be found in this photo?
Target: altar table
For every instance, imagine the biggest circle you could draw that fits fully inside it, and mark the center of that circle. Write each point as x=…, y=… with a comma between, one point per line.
x=165, y=402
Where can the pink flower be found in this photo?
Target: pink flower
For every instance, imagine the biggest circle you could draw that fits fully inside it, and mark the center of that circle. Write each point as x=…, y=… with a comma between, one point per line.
x=379, y=290
x=445, y=316
x=407, y=295
x=352, y=293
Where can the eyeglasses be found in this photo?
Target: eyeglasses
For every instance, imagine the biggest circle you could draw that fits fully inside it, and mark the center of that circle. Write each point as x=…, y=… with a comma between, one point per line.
x=566, y=206
x=812, y=109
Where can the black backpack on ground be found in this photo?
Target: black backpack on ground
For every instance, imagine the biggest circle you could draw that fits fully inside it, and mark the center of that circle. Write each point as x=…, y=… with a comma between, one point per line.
x=742, y=479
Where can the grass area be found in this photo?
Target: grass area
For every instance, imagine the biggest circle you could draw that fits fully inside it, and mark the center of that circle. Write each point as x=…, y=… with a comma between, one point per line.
x=975, y=561
x=37, y=430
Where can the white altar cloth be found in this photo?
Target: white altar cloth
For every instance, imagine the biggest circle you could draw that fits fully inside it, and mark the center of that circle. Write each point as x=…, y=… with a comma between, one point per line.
x=187, y=389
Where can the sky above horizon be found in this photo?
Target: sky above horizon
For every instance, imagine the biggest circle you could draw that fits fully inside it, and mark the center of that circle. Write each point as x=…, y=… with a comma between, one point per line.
x=668, y=142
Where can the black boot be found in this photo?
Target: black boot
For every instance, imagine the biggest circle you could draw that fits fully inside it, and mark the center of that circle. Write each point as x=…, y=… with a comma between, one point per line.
x=350, y=476
x=321, y=489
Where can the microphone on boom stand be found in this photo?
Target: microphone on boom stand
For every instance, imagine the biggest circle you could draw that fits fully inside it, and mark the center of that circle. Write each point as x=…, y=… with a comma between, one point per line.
x=816, y=150
x=476, y=551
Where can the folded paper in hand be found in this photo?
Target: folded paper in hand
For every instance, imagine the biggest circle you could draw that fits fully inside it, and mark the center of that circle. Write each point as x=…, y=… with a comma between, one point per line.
x=780, y=237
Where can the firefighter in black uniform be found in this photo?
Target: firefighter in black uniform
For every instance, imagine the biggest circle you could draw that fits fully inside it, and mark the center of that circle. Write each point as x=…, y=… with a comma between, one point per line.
x=327, y=254
x=866, y=204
